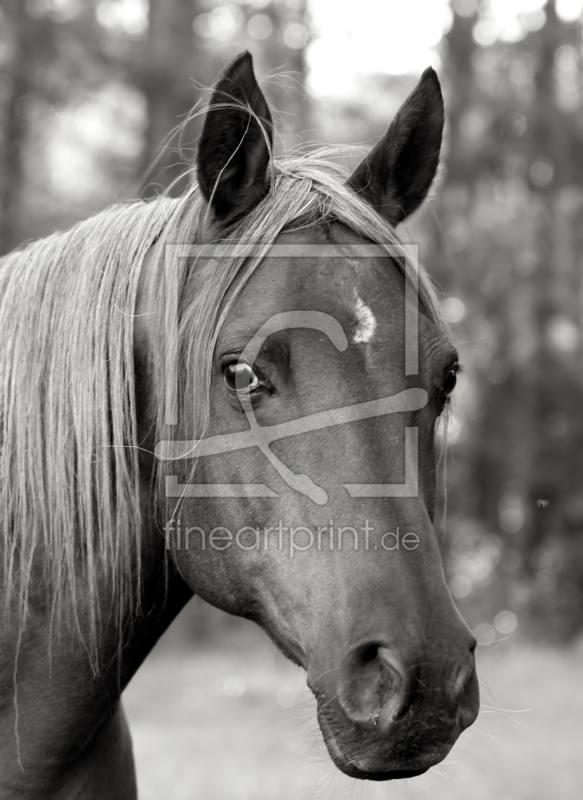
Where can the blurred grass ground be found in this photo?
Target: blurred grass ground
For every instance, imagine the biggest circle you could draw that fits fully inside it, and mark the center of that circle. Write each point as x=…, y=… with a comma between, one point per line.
x=233, y=720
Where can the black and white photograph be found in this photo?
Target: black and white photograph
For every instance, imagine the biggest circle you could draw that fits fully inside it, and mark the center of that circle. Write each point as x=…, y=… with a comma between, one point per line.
x=291, y=400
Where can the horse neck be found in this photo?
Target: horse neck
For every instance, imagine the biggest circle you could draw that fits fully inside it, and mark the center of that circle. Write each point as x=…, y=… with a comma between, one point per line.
x=54, y=706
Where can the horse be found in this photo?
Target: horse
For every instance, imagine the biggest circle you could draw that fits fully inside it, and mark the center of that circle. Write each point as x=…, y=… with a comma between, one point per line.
x=232, y=393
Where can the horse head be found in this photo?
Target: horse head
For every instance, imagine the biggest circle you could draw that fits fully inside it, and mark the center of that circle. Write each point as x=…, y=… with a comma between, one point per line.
x=304, y=500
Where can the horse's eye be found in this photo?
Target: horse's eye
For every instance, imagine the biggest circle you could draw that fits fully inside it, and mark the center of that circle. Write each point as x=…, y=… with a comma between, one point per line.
x=240, y=377
x=450, y=381
x=448, y=385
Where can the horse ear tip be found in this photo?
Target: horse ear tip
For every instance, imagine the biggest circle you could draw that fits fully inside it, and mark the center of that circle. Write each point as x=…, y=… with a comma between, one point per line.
x=429, y=74
x=241, y=63
x=244, y=57
x=240, y=72
x=430, y=80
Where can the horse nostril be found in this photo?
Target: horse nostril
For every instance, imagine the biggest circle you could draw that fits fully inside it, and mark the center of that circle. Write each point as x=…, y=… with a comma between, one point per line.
x=391, y=660
x=465, y=717
x=463, y=676
x=463, y=671
x=467, y=695
x=373, y=685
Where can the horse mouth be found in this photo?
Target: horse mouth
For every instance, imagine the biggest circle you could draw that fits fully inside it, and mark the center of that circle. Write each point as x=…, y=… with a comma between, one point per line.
x=355, y=766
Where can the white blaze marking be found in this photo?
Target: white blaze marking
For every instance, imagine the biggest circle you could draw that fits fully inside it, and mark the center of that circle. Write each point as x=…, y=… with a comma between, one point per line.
x=366, y=323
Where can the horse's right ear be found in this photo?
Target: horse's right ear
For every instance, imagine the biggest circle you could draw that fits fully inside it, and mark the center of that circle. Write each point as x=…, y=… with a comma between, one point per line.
x=234, y=149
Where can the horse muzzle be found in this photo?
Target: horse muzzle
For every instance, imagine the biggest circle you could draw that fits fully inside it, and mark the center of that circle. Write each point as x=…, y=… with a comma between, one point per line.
x=383, y=719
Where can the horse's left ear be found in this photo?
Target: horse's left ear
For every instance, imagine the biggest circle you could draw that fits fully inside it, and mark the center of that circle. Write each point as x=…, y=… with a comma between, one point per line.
x=396, y=175
x=233, y=153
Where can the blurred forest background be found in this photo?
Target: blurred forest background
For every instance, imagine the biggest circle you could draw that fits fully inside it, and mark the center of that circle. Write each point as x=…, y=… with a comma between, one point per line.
x=90, y=88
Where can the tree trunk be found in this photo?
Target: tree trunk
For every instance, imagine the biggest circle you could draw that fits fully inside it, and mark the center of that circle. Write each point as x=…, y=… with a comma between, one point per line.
x=16, y=79
x=170, y=62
